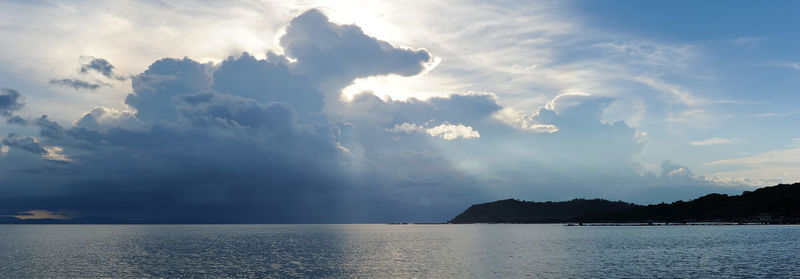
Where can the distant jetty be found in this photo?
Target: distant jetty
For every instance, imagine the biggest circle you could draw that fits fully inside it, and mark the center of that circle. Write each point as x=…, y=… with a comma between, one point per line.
x=628, y=224
x=778, y=204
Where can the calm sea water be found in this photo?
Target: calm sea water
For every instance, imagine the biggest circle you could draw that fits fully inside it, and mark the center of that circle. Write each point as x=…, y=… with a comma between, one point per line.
x=398, y=251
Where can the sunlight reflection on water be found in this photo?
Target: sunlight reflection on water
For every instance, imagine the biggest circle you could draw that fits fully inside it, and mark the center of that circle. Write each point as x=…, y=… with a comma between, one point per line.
x=403, y=251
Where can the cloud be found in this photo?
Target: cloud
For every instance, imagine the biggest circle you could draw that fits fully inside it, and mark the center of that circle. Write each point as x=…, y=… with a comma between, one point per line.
x=100, y=66
x=445, y=131
x=711, y=141
x=451, y=132
x=515, y=161
x=268, y=140
x=454, y=108
x=78, y=84
x=10, y=100
x=155, y=90
x=16, y=120
x=523, y=121
x=768, y=158
x=675, y=172
x=563, y=104
x=338, y=54
x=747, y=41
x=55, y=154
x=775, y=114
x=103, y=118
x=761, y=169
x=678, y=93
x=50, y=129
x=407, y=128
x=792, y=65
x=578, y=131
x=240, y=141
x=37, y=214
x=30, y=144
x=207, y=155
x=267, y=81
x=650, y=53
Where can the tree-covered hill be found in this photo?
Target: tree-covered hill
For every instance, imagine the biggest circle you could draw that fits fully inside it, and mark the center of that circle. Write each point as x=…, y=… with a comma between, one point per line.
x=775, y=204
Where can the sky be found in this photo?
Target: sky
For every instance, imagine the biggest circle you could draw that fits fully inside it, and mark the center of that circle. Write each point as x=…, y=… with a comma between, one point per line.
x=373, y=111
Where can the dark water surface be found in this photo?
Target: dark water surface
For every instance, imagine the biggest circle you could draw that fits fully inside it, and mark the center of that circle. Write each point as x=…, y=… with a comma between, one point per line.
x=398, y=251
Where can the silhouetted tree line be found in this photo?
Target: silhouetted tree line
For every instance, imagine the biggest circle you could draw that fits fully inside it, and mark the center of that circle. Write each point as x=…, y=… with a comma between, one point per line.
x=775, y=204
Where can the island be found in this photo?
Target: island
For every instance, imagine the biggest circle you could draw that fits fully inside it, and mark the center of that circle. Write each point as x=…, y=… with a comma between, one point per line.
x=778, y=204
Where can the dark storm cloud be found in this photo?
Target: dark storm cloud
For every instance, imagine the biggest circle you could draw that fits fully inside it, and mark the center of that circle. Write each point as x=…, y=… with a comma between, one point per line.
x=156, y=89
x=78, y=84
x=50, y=129
x=100, y=66
x=266, y=82
x=10, y=101
x=242, y=141
x=203, y=155
x=233, y=111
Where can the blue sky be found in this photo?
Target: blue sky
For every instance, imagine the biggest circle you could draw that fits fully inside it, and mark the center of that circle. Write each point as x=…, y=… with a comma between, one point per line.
x=747, y=49
x=369, y=111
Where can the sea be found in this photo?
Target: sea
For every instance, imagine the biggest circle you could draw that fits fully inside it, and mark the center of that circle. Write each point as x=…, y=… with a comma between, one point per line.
x=399, y=251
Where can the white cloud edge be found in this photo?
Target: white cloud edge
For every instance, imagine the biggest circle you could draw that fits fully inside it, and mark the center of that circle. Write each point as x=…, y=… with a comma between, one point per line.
x=444, y=131
x=523, y=121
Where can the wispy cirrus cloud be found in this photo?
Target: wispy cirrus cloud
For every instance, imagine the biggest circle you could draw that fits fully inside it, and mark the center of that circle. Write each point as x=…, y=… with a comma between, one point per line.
x=748, y=41
x=78, y=84
x=791, y=65
x=712, y=141
x=762, y=169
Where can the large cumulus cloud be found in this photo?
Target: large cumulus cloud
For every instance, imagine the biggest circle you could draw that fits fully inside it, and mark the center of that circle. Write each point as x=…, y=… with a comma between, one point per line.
x=268, y=140
x=333, y=55
x=78, y=84
x=240, y=141
x=189, y=153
